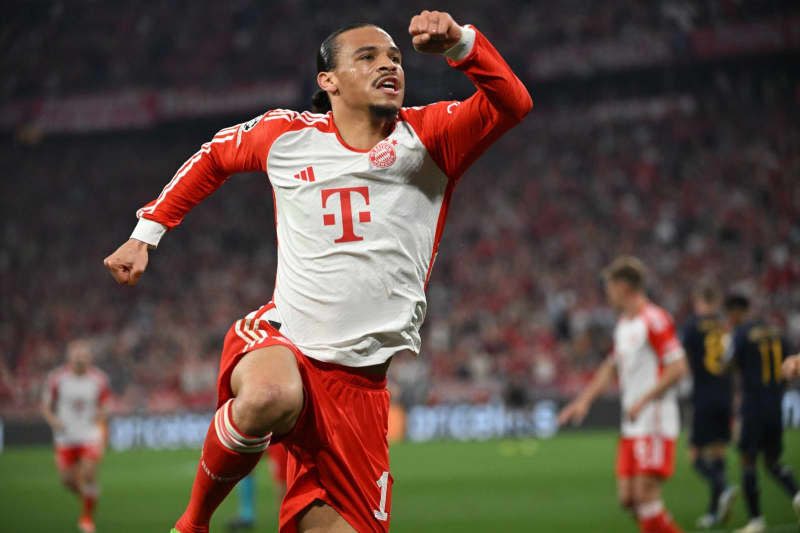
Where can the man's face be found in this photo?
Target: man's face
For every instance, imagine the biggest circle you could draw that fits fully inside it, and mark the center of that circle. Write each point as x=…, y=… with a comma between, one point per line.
x=79, y=355
x=616, y=292
x=369, y=73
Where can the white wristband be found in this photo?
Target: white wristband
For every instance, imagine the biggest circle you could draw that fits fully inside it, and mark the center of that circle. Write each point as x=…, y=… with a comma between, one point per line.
x=464, y=45
x=149, y=231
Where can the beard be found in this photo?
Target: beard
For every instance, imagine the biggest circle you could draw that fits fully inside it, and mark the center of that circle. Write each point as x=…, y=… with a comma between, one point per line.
x=383, y=112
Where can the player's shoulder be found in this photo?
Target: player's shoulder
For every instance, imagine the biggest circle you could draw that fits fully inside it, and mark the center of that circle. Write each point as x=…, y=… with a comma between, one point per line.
x=277, y=121
x=57, y=374
x=98, y=375
x=416, y=114
x=289, y=118
x=759, y=329
x=656, y=317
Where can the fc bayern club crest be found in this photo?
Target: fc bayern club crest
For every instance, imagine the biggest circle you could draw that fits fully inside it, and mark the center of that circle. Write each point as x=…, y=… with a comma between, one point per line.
x=382, y=154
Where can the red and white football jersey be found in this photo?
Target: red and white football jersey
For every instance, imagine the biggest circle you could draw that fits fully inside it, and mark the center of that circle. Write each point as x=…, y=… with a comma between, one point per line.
x=358, y=230
x=643, y=344
x=75, y=400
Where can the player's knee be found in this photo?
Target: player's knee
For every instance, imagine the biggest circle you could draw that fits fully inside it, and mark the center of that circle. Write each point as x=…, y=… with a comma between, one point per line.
x=627, y=502
x=69, y=480
x=625, y=498
x=646, y=491
x=89, y=474
x=260, y=408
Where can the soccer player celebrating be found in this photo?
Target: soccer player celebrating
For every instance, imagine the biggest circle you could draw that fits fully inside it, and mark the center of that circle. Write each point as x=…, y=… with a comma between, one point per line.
x=702, y=338
x=649, y=361
x=361, y=194
x=757, y=350
x=73, y=404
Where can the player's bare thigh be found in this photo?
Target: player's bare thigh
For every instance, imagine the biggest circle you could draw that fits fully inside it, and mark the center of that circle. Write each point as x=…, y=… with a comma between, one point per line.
x=87, y=469
x=268, y=389
x=320, y=517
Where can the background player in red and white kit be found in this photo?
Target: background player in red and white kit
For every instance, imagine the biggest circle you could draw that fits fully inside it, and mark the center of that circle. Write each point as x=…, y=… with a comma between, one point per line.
x=74, y=404
x=361, y=195
x=649, y=361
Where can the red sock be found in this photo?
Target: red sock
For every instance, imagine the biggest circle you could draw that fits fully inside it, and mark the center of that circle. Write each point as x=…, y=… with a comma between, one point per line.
x=654, y=519
x=228, y=455
x=89, y=501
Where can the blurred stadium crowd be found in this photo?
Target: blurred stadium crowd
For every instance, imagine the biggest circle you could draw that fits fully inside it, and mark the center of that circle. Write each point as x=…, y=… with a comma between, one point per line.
x=130, y=44
x=698, y=179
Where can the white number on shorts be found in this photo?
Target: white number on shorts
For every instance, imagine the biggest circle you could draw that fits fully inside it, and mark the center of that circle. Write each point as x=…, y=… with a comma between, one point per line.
x=649, y=453
x=383, y=483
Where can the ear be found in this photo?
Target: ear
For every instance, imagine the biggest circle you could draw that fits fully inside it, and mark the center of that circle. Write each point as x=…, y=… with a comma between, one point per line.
x=327, y=82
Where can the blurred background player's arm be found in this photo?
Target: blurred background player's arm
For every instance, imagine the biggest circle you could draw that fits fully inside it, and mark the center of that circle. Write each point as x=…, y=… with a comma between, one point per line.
x=576, y=410
x=102, y=415
x=673, y=372
x=791, y=367
x=47, y=409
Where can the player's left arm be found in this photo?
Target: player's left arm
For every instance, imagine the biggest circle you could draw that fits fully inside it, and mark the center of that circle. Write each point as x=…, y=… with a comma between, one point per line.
x=661, y=336
x=103, y=409
x=672, y=374
x=456, y=134
x=47, y=407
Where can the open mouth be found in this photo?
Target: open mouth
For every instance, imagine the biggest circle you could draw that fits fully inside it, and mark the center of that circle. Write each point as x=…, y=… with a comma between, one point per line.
x=389, y=85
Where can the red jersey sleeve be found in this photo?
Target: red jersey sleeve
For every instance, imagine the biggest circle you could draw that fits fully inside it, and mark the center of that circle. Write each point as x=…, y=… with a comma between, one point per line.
x=105, y=388
x=240, y=148
x=662, y=336
x=457, y=133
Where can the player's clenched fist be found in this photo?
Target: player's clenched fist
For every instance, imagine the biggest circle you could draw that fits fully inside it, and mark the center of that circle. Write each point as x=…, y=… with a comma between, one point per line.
x=128, y=262
x=434, y=32
x=791, y=367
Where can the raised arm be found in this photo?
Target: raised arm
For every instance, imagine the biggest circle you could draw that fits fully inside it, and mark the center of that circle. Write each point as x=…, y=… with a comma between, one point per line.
x=457, y=133
x=240, y=148
x=577, y=409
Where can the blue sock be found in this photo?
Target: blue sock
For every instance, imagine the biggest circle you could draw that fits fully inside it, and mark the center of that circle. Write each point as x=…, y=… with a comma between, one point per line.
x=247, y=496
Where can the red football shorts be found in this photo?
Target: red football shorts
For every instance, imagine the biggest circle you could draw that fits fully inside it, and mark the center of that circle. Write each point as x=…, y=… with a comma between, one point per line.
x=277, y=462
x=338, y=451
x=67, y=456
x=649, y=455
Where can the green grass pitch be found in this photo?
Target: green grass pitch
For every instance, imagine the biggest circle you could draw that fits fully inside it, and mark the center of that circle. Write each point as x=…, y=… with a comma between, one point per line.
x=561, y=485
